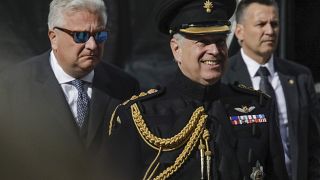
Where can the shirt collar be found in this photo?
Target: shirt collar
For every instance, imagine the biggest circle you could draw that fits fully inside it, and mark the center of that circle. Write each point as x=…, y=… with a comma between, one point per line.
x=253, y=66
x=62, y=76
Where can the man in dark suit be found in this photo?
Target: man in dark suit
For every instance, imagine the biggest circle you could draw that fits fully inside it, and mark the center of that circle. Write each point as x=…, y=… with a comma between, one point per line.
x=196, y=127
x=55, y=106
x=290, y=84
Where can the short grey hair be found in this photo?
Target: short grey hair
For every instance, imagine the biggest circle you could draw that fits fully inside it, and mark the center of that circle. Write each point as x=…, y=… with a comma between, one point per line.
x=179, y=37
x=58, y=8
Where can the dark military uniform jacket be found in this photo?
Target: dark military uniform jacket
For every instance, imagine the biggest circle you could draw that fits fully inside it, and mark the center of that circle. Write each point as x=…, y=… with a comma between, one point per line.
x=190, y=131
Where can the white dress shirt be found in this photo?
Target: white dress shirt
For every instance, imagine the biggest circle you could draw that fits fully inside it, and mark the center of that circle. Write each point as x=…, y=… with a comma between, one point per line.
x=274, y=80
x=70, y=92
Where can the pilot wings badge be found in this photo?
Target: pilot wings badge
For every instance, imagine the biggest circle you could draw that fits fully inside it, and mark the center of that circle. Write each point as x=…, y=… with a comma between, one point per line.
x=245, y=109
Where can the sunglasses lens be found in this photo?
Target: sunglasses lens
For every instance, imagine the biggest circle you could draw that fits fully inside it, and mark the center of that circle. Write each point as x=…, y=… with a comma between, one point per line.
x=81, y=37
x=101, y=36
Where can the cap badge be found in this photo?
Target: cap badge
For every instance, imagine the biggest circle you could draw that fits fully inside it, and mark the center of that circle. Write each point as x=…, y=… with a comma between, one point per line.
x=245, y=109
x=208, y=5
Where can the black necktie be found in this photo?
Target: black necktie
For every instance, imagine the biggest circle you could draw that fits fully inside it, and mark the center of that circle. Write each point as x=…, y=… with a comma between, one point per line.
x=82, y=102
x=266, y=87
x=264, y=84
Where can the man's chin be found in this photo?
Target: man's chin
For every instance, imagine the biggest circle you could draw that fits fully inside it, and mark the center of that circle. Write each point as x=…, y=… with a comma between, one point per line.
x=89, y=63
x=266, y=51
x=87, y=68
x=269, y=49
x=212, y=79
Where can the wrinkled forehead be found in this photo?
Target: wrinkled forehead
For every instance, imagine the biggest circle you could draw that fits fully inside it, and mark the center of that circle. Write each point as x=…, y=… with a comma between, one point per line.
x=256, y=9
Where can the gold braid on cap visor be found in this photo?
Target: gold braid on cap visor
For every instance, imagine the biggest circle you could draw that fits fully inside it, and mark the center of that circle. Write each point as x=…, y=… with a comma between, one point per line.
x=203, y=30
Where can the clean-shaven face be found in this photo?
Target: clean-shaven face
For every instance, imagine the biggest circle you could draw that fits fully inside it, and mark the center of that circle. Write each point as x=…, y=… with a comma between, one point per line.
x=202, y=58
x=258, y=30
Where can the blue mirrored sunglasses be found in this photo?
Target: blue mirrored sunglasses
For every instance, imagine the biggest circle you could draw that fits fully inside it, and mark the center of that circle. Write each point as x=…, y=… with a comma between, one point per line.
x=84, y=36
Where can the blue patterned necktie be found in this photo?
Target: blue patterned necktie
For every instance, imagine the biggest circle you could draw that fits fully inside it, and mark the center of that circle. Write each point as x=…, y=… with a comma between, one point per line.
x=82, y=102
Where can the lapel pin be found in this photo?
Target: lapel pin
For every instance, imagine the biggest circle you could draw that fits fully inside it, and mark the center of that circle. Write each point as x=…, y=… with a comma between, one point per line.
x=245, y=109
x=291, y=81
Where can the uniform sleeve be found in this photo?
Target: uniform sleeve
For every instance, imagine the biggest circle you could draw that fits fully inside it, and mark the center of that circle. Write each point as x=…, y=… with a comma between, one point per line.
x=124, y=147
x=276, y=161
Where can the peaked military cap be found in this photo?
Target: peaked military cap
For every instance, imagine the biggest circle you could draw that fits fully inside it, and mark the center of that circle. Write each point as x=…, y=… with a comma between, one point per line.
x=195, y=16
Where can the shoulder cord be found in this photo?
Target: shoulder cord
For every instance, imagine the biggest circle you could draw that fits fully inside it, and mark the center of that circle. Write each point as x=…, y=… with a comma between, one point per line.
x=134, y=97
x=190, y=134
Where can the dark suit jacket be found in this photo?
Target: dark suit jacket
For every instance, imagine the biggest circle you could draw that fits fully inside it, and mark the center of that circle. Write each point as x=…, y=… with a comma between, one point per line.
x=39, y=138
x=302, y=108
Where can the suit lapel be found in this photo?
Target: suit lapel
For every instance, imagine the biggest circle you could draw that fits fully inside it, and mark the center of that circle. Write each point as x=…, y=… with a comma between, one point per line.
x=98, y=106
x=290, y=90
x=239, y=71
x=98, y=110
x=54, y=96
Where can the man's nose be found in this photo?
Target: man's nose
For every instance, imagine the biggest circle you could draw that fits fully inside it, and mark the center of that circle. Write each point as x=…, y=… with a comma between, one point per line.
x=91, y=43
x=269, y=29
x=213, y=48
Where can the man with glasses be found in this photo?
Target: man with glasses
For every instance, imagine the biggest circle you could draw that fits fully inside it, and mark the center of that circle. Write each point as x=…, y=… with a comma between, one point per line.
x=196, y=127
x=54, y=107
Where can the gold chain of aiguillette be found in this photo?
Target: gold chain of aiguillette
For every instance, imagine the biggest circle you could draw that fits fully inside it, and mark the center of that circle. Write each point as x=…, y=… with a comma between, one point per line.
x=167, y=144
x=183, y=156
x=190, y=134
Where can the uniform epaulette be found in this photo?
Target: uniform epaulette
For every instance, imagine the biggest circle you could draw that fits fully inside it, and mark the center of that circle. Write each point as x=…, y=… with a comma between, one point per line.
x=143, y=95
x=250, y=90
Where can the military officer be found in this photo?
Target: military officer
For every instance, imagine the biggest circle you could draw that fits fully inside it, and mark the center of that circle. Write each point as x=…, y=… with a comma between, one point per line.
x=195, y=127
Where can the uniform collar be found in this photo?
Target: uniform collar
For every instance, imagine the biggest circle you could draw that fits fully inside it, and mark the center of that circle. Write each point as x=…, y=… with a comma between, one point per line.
x=190, y=89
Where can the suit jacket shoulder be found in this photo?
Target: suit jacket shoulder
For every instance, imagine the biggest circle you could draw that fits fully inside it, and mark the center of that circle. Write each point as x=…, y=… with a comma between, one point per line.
x=26, y=68
x=117, y=83
x=109, y=78
x=290, y=67
x=236, y=69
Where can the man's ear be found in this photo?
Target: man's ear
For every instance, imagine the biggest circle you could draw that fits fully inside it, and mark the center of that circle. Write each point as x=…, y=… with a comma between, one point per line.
x=239, y=32
x=53, y=39
x=176, y=49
